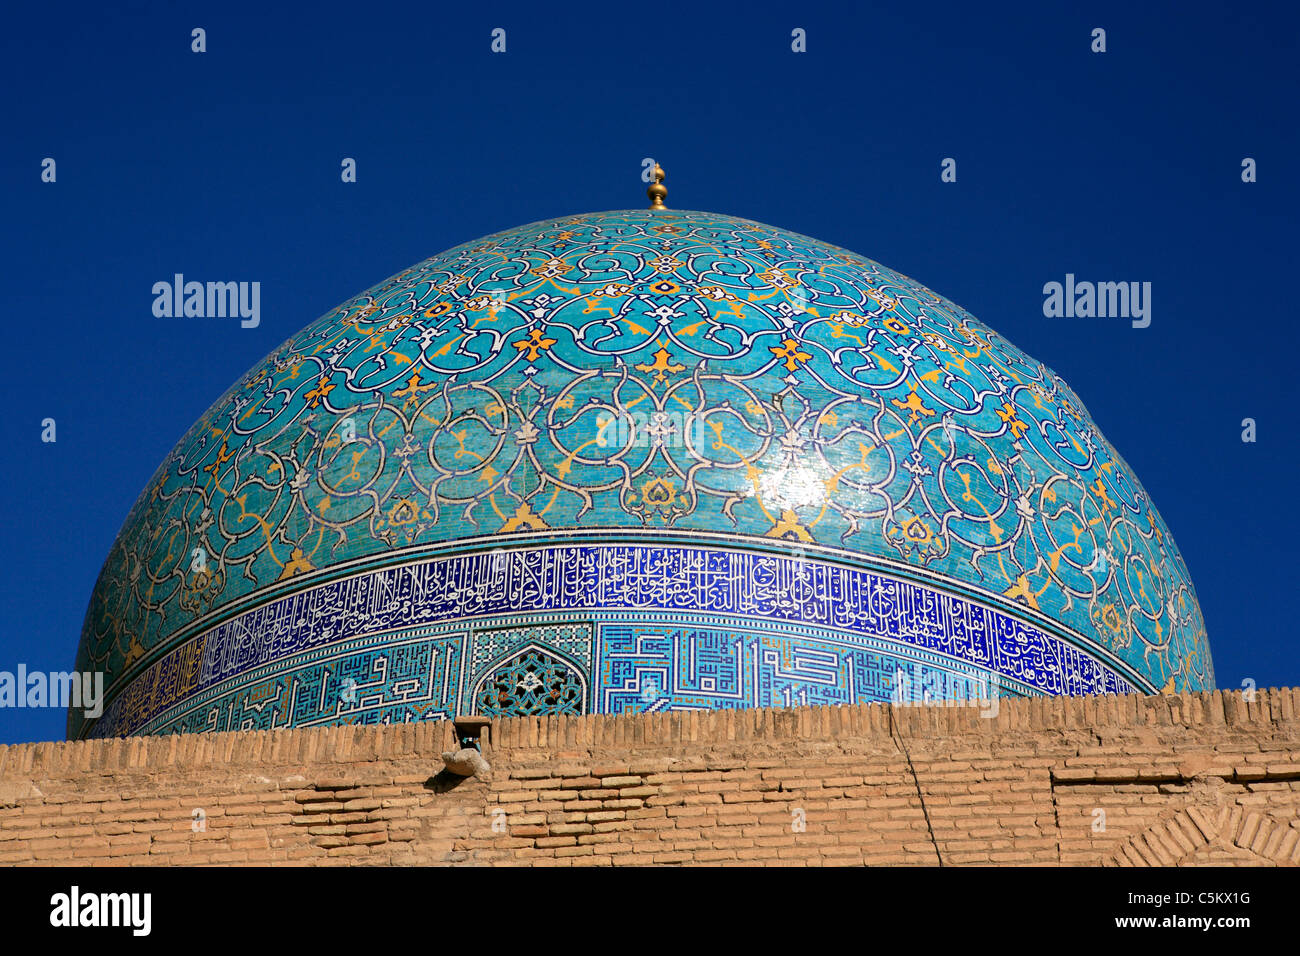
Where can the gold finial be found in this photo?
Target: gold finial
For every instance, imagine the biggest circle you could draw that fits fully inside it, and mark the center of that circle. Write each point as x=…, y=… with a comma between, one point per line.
x=657, y=191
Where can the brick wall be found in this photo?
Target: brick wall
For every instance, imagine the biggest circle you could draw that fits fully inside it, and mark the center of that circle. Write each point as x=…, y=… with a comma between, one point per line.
x=1202, y=778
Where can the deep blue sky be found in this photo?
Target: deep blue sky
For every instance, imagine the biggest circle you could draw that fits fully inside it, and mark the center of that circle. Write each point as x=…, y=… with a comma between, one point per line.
x=225, y=165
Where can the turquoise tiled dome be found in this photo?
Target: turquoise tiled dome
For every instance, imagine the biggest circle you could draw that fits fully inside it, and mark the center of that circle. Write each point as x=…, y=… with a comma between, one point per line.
x=635, y=461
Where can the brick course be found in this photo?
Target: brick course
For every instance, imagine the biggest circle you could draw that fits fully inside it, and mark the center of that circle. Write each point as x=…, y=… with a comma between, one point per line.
x=1180, y=779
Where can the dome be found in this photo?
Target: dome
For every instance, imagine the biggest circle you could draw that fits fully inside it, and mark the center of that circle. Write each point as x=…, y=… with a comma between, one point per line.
x=634, y=461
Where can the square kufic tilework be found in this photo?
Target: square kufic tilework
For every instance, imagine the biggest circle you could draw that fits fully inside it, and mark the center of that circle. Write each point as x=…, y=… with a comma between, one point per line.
x=648, y=668
x=377, y=679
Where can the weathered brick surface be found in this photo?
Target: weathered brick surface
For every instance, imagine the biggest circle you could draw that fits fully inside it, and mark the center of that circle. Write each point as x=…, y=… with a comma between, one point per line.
x=1187, y=779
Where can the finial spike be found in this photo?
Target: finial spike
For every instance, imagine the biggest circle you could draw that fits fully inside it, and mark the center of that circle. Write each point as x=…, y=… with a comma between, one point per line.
x=657, y=192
